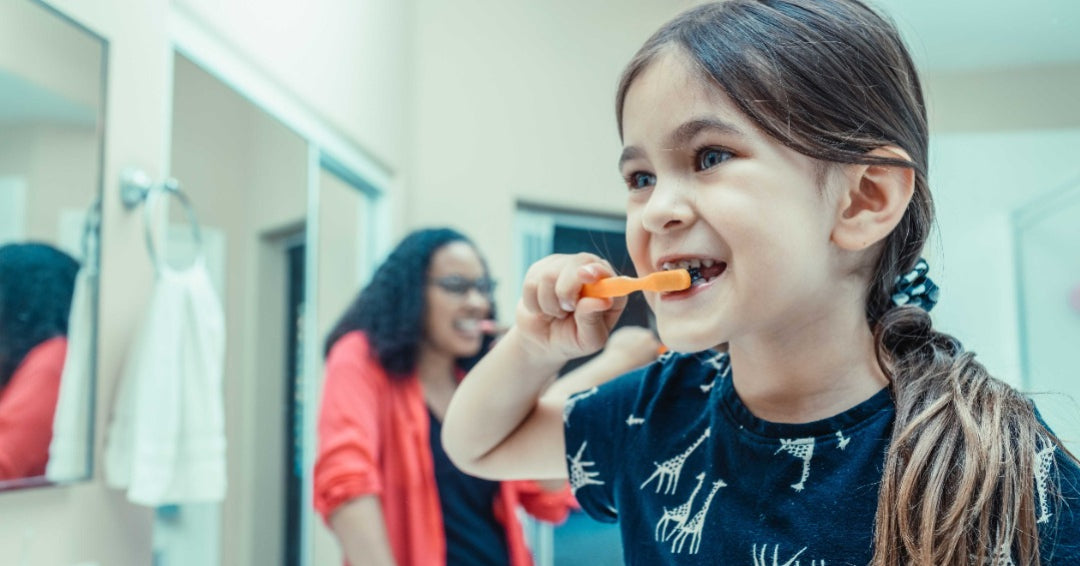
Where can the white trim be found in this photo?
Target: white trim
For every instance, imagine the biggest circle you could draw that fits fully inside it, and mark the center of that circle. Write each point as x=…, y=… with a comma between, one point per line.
x=311, y=355
x=190, y=38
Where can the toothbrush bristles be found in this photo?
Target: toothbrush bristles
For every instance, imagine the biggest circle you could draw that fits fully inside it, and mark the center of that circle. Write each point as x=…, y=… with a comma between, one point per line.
x=695, y=275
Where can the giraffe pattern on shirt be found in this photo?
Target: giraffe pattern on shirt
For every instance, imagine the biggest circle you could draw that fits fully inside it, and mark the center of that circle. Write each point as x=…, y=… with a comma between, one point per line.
x=667, y=474
x=692, y=528
x=573, y=400
x=802, y=448
x=579, y=476
x=1044, y=459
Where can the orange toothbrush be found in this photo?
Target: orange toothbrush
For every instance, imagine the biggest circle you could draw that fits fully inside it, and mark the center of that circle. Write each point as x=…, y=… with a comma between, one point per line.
x=673, y=280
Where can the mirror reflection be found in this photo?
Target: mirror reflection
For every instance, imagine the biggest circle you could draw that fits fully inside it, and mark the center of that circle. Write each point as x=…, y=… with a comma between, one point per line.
x=51, y=108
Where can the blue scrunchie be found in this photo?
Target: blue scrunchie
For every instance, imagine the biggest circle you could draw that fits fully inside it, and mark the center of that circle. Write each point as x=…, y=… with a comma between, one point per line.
x=915, y=288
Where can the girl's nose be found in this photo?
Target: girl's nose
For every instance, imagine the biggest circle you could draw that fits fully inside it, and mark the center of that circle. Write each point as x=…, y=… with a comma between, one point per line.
x=669, y=208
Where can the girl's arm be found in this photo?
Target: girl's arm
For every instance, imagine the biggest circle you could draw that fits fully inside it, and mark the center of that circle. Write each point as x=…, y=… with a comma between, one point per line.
x=359, y=528
x=499, y=425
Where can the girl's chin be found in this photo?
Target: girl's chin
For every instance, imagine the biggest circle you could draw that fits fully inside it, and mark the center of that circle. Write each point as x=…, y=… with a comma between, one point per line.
x=681, y=336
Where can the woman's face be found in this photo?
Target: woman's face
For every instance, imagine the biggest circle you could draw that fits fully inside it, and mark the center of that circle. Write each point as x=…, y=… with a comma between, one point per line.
x=458, y=294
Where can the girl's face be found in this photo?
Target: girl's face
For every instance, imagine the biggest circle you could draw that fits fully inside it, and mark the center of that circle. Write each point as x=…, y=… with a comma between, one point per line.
x=458, y=298
x=707, y=189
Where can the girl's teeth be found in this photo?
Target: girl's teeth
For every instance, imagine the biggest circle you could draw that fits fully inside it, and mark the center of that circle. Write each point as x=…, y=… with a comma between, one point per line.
x=707, y=262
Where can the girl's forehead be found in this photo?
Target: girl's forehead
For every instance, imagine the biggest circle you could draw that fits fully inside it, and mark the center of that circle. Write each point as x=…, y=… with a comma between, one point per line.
x=671, y=91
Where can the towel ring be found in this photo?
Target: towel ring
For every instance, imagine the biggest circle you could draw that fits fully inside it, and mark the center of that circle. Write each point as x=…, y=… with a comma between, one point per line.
x=137, y=188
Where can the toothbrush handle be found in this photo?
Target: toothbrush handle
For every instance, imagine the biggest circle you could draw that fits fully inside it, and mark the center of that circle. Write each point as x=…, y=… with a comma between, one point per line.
x=611, y=287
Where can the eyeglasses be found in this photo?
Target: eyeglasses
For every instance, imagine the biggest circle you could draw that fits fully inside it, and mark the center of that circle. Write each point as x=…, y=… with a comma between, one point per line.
x=458, y=285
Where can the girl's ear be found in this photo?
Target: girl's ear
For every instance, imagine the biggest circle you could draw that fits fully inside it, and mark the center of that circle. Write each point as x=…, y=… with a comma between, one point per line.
x=872, y=201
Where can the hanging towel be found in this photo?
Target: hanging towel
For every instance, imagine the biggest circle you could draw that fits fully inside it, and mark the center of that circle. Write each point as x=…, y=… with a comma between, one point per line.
x=69, y=451
x=166, y=441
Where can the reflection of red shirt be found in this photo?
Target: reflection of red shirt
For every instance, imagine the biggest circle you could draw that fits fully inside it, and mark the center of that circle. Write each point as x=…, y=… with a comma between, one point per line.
x=374, y=440
x=27, y=405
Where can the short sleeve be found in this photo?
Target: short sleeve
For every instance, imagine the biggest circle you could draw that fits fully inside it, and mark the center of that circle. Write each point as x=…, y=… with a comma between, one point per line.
x=593, y=442
x=349, y=435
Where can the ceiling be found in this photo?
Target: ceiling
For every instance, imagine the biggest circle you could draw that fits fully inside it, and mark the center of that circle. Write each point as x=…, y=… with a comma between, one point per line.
x=959, y=35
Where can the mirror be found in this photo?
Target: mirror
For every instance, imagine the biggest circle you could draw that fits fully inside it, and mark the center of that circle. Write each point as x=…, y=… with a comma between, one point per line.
x=52, y=83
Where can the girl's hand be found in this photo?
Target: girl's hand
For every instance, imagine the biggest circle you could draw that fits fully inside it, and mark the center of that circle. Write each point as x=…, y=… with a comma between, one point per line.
x=556, y=324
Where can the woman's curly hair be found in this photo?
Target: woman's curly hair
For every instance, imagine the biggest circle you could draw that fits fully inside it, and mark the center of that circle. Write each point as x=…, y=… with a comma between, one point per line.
x=36, y=285
x=390, y=309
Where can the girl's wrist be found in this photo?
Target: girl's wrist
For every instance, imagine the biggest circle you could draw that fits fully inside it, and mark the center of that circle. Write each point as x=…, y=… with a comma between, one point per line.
x=534, y=360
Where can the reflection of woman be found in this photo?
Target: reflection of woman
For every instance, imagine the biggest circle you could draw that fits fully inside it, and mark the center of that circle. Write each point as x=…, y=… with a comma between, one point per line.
x=382, y=479
x=36, y=284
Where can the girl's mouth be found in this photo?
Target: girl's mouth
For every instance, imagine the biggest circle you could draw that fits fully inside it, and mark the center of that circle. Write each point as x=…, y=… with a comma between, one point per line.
x=702, y=272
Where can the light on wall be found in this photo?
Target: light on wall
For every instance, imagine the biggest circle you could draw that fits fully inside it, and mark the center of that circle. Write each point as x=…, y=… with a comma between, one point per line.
x=1074, y=298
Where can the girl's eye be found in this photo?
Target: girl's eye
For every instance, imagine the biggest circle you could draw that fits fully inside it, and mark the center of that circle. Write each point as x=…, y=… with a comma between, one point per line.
x=640, y=180
x=710, y=157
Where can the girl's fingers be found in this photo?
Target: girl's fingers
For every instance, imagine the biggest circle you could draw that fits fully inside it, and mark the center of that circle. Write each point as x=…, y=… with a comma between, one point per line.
x=529, y=300
x=585, y=268
x=549, y=301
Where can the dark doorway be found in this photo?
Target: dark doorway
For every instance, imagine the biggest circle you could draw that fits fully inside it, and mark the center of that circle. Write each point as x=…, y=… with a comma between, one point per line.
x=294, y=409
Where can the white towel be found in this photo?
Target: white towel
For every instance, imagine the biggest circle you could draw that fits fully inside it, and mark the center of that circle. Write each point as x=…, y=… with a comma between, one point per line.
x=69, y=450
x=166, y=441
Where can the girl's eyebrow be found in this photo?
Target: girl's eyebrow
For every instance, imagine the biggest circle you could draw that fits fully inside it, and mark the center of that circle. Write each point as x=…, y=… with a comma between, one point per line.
x=683, y=134
x=686, y=132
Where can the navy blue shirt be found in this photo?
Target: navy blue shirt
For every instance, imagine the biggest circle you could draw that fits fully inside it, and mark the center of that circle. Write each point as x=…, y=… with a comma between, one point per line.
x=474, y=537
x=671, y=453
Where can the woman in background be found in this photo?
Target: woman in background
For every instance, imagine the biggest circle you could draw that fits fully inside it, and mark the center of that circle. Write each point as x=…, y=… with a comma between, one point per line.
x=36, y=285
x=382, y=480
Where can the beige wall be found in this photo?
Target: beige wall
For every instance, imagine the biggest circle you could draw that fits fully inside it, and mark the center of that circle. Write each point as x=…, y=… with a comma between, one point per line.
x=514, y=102
x=1028, y=98
x=67, y=64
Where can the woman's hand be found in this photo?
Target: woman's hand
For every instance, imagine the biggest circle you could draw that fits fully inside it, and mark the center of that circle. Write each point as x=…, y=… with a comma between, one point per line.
x=554, y=322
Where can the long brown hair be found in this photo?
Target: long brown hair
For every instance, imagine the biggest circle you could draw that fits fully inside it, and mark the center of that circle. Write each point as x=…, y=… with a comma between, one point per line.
x=833, y=80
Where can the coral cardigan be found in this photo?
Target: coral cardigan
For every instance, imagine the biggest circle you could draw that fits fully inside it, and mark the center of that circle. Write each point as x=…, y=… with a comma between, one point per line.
x=27, y=405
x=374, y=440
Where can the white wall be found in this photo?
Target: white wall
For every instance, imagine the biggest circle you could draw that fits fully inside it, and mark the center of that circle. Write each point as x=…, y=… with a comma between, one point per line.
x=348, y=60
x=978, y=180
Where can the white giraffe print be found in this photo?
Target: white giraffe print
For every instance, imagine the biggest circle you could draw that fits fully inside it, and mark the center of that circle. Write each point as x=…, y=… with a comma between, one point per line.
x=677, y=516
x=800, y=448
x=761, y=560
x=1045, y=459
x=569, y=406
x=721, y=363
x=667, y=474
x=843, y=440
x=694, y=526
x=579, y=476
x=634, y=421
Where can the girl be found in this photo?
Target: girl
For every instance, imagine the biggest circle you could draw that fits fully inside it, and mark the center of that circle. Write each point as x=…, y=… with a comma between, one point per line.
x=779, y=147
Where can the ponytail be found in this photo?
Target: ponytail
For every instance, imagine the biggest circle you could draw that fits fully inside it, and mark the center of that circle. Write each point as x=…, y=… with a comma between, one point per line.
x=959, y=482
